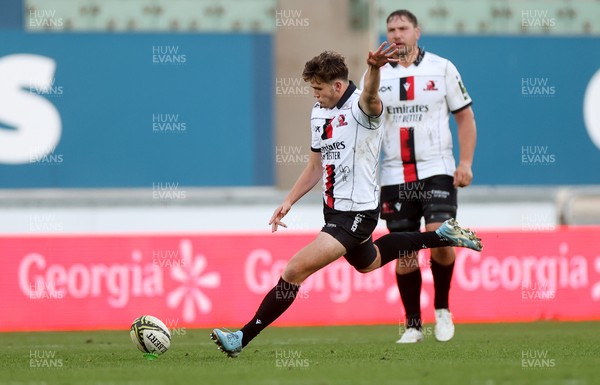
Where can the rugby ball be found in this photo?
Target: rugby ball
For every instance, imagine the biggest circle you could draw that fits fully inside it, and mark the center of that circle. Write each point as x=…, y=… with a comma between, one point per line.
x=150, y=335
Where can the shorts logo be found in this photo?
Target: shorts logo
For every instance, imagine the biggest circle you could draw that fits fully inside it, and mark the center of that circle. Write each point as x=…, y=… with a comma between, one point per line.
x=357, y=220
x=389, y=208
x=330, y=225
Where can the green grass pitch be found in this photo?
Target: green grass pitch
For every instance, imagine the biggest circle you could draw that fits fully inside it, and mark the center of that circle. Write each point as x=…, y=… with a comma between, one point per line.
x=541, y=353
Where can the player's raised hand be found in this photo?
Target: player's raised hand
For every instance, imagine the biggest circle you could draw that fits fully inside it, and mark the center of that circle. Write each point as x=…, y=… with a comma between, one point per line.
x=382, y=55
x=278, y=215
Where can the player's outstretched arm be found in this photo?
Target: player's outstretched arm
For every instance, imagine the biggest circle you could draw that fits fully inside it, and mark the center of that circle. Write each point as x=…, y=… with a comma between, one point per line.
x=369, y=99
x=312, y=173
x=467, y=137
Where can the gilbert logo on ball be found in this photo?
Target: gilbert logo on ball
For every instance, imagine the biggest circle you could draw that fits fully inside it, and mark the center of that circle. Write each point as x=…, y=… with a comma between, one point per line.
x=150, y=335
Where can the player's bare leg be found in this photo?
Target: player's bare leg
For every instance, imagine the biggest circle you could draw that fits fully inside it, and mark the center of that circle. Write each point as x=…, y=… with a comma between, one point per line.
x=322, y=251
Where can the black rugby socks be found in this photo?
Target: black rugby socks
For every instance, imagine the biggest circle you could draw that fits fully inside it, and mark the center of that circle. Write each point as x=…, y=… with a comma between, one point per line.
x=410, y=292
x=398, y=245
x=442, y=276
x=275, y=303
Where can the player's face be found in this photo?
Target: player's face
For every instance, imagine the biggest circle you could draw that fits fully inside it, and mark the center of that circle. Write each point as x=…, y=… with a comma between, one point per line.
x=404, y=34
x=326, y=93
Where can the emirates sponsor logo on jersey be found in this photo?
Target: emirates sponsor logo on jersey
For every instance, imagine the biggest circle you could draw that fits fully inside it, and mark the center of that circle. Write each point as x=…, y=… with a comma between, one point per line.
x=407, y=109
x=333, y=146
x=331, y=151
x=407, y=113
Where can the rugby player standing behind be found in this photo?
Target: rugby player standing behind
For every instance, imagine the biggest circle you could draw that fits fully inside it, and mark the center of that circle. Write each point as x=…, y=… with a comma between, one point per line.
x=418, y=173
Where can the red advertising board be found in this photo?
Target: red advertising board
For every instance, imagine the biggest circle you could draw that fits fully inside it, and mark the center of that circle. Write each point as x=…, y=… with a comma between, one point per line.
x=212, y=280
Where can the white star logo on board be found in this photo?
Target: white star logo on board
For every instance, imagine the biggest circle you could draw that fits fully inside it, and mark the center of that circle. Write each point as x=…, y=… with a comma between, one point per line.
x=192, y=276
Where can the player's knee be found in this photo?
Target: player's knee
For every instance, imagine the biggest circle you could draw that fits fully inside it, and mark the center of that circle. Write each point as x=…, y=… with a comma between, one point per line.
x=443, y=255
x=403, y=225
x=439, y=212
x=373, y=263
x=408, y=263
x=369, y=268
x=294, y=272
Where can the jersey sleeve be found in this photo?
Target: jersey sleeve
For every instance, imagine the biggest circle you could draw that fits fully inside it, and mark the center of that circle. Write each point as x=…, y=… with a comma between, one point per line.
x=364, y=120
x=457, y=96
x=315, y=139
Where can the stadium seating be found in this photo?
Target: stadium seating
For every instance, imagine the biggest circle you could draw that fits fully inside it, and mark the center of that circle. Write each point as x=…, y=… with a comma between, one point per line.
x=158, y=16
x=554, y=17
x=530, y=17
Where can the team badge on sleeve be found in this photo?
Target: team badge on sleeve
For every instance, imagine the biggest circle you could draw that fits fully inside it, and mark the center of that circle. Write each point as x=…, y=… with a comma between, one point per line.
x=463, y=89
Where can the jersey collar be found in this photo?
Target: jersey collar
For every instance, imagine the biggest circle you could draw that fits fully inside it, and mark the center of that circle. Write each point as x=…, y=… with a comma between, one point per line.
x=417, y=61
x=349, y=91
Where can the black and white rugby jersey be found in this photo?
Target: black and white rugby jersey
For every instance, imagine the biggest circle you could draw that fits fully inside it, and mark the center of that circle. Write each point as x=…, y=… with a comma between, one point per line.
x=350, y=143
x=417, y=103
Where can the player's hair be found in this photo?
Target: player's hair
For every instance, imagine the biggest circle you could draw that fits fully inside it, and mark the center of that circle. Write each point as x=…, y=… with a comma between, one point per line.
x=325, y=68
x=403, y=13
